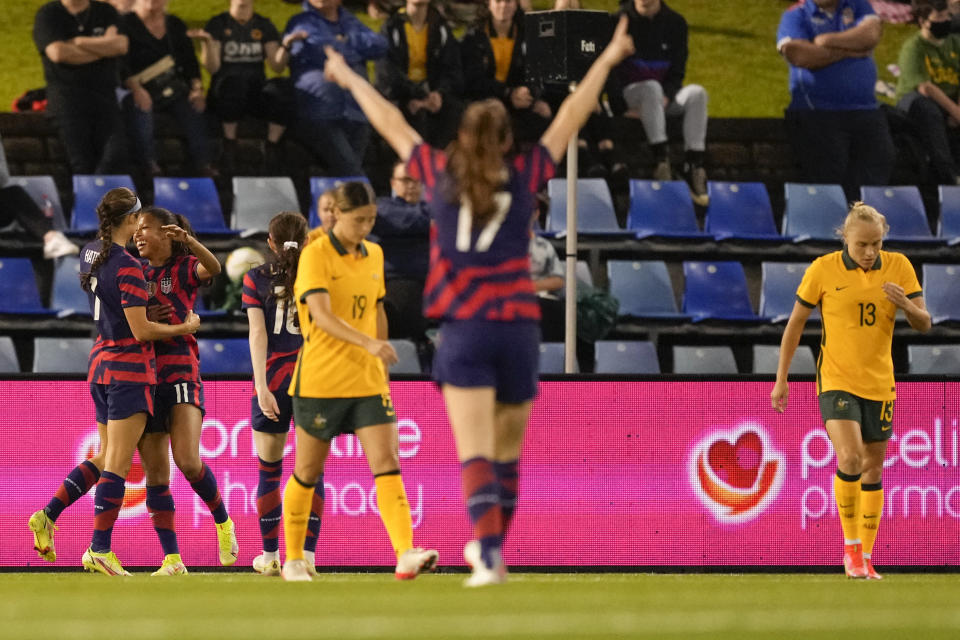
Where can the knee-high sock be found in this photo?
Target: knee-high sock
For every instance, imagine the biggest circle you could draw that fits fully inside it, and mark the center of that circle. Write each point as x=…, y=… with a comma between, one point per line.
x=161, y=508
x=846, y=487
x=316, y=516
x=395, y=510
x=507, y=480
x=107, y=503
x=205, y=485
x=297, y=498
x=481, y=493
x=84, y=476
x=871, y=510
x=270, y=503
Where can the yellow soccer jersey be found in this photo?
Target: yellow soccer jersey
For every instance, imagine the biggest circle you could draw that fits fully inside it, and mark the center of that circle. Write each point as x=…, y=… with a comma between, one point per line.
x=417, y=48
x=857, y=321
x=326, y=366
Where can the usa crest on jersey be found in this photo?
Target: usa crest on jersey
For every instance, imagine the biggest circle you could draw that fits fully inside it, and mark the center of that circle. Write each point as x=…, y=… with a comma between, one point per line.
x=166, y=284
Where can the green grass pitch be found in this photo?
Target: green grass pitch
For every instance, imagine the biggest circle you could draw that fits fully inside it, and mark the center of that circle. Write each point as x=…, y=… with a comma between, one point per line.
x=532, y=605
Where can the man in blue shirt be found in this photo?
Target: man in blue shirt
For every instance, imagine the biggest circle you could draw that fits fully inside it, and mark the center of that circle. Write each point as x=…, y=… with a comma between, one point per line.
x=836, y=128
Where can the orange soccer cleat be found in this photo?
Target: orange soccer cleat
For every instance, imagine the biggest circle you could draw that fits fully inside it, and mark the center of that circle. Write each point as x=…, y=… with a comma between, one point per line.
x=871, y=572
x=853, y=561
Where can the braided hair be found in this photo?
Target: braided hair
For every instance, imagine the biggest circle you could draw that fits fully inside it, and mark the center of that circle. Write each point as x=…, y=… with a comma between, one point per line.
x=289, y=232
x=166, y=217
x=113, y=209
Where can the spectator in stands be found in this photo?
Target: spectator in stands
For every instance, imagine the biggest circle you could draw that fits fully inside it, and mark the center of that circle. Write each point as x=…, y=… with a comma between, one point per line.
x=836, y=129
x=929, y=86
x=122, y=6
x=80, y=44
x=326, y=204
x=162, y=75
x=402, y=230
x=233, y=48
x=17, y=205
x=494, y=55
x=652, y=81
x=953, y=6
x=329, y=122
x=547, y=273
x=421, y=72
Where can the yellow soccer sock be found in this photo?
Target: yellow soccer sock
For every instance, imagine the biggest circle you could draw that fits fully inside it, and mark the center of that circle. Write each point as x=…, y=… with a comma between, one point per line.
x=395, y=510
x=297, y=500
x=871, y=509
x=846, y=488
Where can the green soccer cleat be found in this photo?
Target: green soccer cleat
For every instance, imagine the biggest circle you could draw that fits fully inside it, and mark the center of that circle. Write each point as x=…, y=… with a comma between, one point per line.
x=43, y=529
x=172, y=566
x=105, y=563
x=227, y=540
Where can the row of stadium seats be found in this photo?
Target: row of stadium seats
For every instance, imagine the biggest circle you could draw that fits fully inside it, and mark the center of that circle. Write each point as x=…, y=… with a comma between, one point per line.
x=742, y=210
x=229, y=355
x=712, y=290
x=640, y=357
x=717, y=290
x=256, y=199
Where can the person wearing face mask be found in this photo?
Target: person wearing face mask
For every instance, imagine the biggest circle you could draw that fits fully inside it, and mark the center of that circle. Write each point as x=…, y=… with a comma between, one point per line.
x=837, y=131
x=929, y=86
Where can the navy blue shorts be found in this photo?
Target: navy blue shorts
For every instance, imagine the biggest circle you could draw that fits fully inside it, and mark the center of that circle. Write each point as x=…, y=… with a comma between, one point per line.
x=502, y=355
x=263, y=424
x=119, y=401
x=170, y=394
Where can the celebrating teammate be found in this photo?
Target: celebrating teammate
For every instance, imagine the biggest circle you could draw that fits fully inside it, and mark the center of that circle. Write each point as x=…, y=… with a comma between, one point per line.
x=122, y=373
x=859, y=290
x=340, y=380
x=274, y=343
x=175, y=264
x=479, y=283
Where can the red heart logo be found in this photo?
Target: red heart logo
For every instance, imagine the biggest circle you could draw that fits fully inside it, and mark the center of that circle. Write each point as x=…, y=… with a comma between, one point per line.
x=737, y=464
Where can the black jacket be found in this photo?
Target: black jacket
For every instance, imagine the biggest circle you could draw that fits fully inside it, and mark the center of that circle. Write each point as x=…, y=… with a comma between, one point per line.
x=444, y=73
x=661, y=44
x=480, y=67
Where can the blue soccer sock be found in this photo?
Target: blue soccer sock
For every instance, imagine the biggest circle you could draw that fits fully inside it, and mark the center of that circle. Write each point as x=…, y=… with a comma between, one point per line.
x=206, y=487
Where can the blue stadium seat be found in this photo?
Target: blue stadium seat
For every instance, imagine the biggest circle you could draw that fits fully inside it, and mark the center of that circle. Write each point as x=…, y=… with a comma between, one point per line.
x=704, y=360
x=68, y=298
x=766, y=357
x=551, y=357
x=43, y=190
x=87, y=192
x=934, y=359
x=18, y=288
x=61, y=355
x=228, y=355
x=778, y=289
x=740, y=210
x=813, y=211
x=903, y=208
x=716, y=291
x=662, y=209
x=626, y=357
x=195, y=198
x=320, y=184
x=941, y=291
x=408, y=360
x=595, y=214
x=201, y=309
x=8, y=356
x=948, y=226
x=257, y=200
x=643, y=289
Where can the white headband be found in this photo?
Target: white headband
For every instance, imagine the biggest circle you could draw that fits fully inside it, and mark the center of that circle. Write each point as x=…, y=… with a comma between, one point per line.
x=290, y=244
x=134, y=208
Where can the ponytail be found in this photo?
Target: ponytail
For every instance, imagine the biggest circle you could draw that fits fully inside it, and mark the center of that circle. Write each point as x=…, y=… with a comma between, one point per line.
x=113, y=208
x=475, y=158
x=288, y=229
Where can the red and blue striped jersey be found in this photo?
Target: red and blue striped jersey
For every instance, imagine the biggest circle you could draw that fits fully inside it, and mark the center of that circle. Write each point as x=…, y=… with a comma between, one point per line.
x=283, y=326
x=117, y=357
x=175, y=283
x=481, y=273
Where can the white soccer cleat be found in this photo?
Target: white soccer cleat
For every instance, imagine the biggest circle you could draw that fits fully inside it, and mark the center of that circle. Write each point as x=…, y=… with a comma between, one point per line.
x=310, y=557
x=413, y=562
x=295, y=571
x=267, y=564
x=482, y=574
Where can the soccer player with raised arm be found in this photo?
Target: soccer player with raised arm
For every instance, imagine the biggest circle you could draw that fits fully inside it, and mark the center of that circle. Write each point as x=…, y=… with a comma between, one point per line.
x=340, y=380
x=859, y=290
x=275, y=340
x=479, y=285
x=175, y=265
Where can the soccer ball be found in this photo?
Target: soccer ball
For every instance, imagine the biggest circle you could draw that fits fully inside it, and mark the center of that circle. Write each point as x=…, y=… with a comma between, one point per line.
x=242, y=260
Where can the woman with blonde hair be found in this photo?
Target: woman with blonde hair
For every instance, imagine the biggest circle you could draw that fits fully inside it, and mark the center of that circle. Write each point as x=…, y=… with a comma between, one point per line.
x=858, y=290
